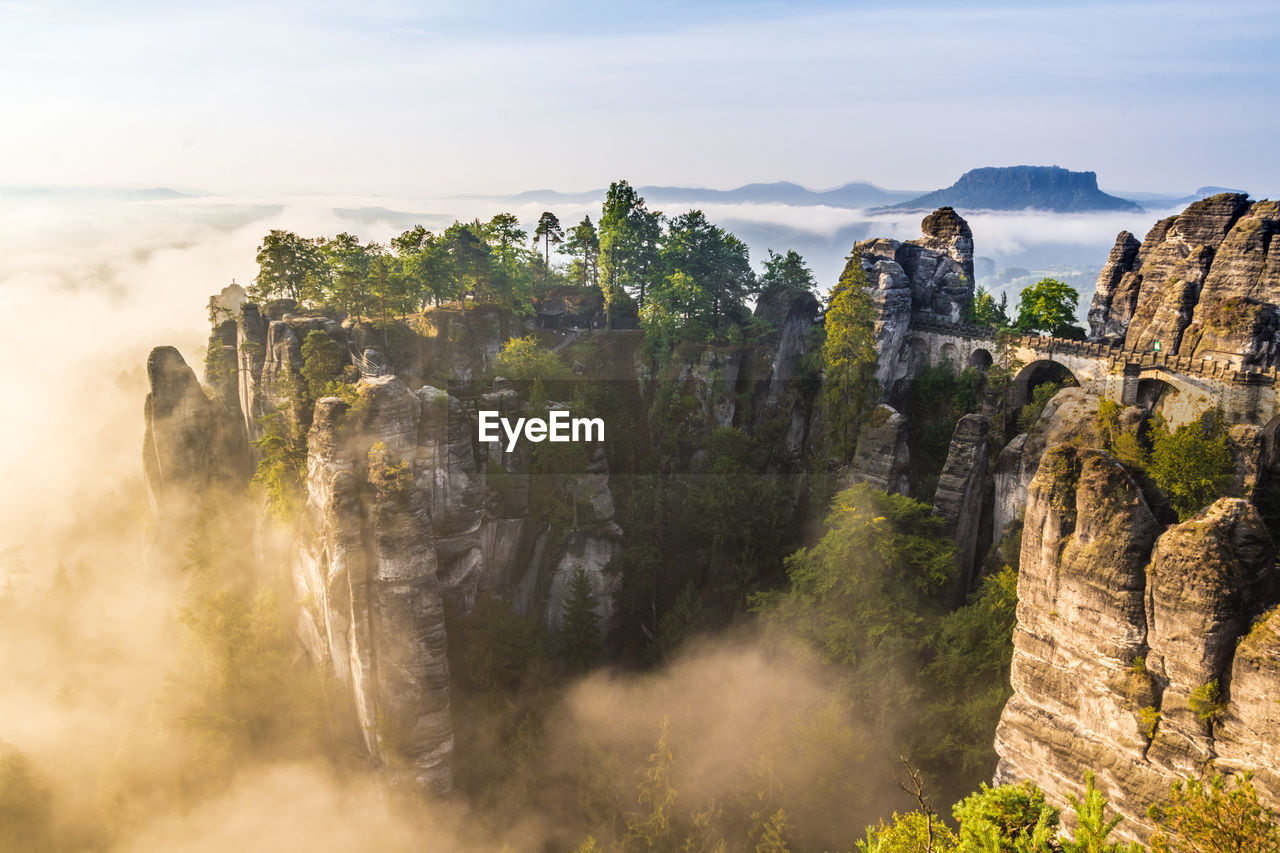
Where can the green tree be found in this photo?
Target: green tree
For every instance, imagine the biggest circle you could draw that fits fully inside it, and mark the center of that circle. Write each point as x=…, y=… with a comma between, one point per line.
x=510, y=282
x=653, y=826
x=788, y=272
x=1192, y=464
x=913, y=832
x=773, y=835
x=348, y=263
x=580, y=629
x=629, y=236
x=716, y=263
x=322, y=363
x=501, y=650
x=1219, y=815
x=548, y=232
x=864, y=595
x=426, y=267
x=387, y=292
x=583, y=245
x=1093, y=827
x=849, y=357
x=1208, y=703
x=468, y=258
x=984, y=311
x=524, y=359
x=1005, y=818
x=1047, y=307
x=286, y=264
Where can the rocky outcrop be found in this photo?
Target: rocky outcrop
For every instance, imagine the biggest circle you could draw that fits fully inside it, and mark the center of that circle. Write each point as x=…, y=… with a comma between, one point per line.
x=927, y=280
x=1116, y=292
x=369, y=575
x=961, y=495
x=1249, y=737
x=1070, y=417
x=781, y=390
x=189, y=442
x=1205, y=582
x=1204, y=284
x=881, y=459
x=1116, y=616
x=937, y=268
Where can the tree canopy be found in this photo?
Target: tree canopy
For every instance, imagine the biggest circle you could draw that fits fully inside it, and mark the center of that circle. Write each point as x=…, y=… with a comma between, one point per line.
x=1048, y=307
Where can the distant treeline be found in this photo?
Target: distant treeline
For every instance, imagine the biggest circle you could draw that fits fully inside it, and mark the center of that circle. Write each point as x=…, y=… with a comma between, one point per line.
x=671, y=272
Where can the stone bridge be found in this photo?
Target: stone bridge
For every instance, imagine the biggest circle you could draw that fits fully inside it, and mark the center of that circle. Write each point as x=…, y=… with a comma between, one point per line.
x=1184, y=388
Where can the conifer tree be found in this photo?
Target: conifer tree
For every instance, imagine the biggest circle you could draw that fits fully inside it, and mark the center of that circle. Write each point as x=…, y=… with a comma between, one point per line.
x=580, y=630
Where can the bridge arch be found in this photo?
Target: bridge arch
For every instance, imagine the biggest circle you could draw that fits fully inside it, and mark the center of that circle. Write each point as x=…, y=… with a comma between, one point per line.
x=980, y=358
x=949, y=352
x=1173, y=397
x=1038, y=373
x=1154, y=390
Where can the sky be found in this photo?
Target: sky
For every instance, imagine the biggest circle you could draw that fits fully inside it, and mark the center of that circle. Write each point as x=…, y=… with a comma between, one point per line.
x=388, y=97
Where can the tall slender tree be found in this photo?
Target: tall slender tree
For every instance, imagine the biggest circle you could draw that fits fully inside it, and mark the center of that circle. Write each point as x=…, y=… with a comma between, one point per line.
x=583, y=245
x=548, y=232
x=629, y=236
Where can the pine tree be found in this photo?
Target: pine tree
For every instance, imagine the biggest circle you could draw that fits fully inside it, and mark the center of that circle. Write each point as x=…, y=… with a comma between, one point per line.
x=580, y=630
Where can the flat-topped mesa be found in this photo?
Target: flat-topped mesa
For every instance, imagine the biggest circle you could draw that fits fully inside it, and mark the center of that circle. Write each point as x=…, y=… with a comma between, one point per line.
x=1204, y=284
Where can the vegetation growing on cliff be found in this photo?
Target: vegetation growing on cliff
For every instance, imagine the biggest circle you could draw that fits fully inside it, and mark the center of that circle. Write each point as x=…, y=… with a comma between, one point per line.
x=849, y=359
x=1192, y=464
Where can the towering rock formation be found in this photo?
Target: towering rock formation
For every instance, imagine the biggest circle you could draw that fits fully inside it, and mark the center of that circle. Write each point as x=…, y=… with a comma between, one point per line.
x=1204, y=284
x=408, y=515
x=1116, y=616
x=368, y=573
x=1116, y=292
x=929, y=280
x=961, y=495
x=189, y=443
x=881, y=459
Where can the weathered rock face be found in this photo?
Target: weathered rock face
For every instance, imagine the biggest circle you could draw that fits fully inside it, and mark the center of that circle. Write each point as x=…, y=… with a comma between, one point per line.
x=961, y=494
x=927, y=280
x=1116, y=291
x=937, y=268
x=1070, y=417
x=1249, y=737
x=370, y=575
x=1205, y=284
x=881, y=459
x=189, y=442
x=1100, y=586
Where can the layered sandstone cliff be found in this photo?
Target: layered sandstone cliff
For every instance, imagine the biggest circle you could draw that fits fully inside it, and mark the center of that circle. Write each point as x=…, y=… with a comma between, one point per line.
x=1120, y=622
x=1204, y=284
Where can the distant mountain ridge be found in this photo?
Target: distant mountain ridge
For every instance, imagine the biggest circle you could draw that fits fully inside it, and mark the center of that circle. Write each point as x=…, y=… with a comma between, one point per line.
x=855, y=194
x=1050, y=188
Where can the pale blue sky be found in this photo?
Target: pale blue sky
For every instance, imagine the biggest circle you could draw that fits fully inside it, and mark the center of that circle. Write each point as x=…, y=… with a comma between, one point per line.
x=452, y=97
